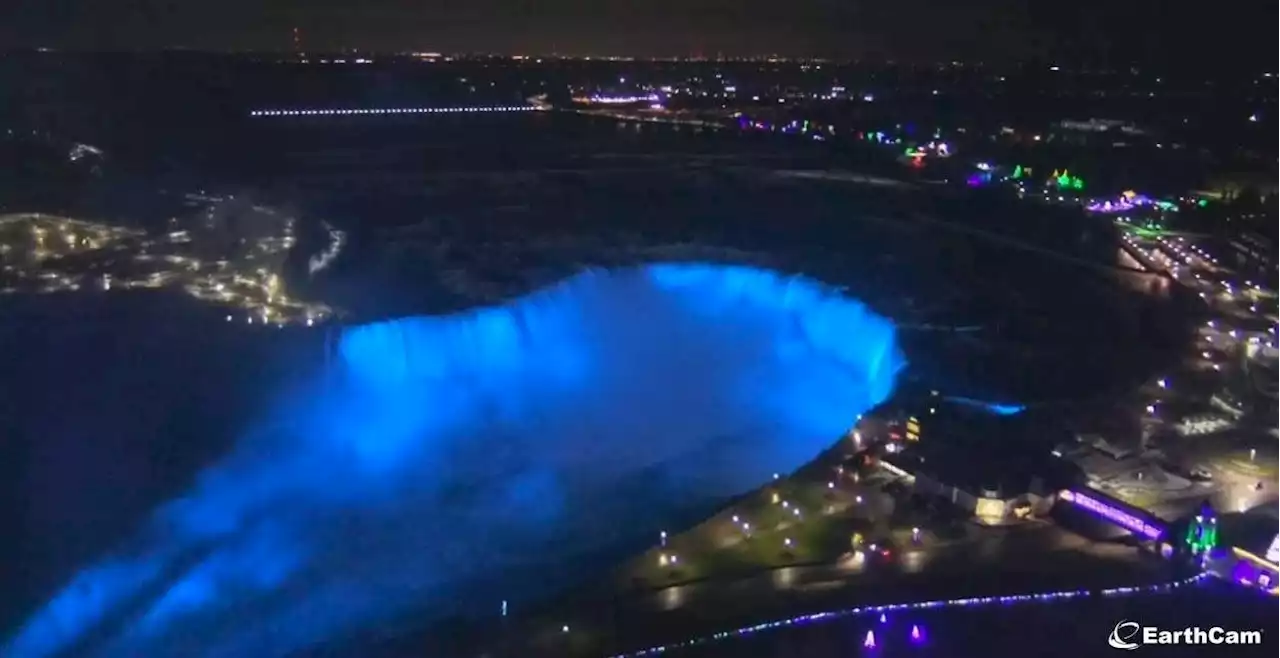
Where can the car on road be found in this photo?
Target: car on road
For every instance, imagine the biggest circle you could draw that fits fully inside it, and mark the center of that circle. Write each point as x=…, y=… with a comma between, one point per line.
x=881, y=548
x=1200, y=475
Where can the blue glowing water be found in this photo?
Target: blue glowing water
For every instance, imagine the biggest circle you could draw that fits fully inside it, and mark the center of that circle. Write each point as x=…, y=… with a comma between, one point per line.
x=449, y=463
x=997, y=408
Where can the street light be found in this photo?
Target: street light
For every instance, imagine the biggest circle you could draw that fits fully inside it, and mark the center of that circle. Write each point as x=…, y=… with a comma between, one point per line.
x=1151, y=408
x=1162, y=383
x=662, y=537
x=1253, y=452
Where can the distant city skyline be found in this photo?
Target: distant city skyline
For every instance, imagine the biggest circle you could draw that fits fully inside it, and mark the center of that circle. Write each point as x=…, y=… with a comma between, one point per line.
x=1236, y=32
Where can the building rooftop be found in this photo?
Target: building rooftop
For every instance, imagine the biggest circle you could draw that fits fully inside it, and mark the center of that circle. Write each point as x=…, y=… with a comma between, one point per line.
x=978, y=451
x=1253, y=531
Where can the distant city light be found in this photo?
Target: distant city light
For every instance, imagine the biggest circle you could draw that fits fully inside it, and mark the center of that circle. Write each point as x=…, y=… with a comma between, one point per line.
x=406, y=110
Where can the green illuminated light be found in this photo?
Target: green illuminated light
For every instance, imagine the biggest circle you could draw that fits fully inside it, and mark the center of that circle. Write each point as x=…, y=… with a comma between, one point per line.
x=1202, y=535
x=1066, y=181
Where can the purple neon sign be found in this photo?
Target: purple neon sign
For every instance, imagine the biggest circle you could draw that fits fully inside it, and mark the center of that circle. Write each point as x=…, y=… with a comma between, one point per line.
x=1117, y=516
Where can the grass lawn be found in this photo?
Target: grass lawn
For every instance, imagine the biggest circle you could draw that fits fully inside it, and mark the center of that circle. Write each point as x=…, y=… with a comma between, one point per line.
x=700, y=553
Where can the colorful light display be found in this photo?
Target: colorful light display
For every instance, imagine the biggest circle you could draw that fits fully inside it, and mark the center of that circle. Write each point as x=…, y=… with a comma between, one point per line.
x=1125, y=203
x=1202, y=533
x=978, y=179
x=972, y=602
x=1065, y=181
x=1118, y=516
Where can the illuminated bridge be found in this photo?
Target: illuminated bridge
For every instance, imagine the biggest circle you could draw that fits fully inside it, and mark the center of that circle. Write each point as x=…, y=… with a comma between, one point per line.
x=392, y=110
x=1117, y=512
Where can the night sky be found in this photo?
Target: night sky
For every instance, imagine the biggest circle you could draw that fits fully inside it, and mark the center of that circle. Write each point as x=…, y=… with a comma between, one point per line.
x=1224, y=32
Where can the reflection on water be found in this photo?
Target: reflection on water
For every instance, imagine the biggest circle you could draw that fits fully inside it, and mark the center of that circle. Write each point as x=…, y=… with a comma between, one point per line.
x=1070, y=629
x=914, y=561
x=784, y=578
x=671, y=598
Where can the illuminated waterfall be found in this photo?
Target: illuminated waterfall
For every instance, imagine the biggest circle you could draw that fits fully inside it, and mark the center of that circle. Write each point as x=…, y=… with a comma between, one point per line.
x=495, y=455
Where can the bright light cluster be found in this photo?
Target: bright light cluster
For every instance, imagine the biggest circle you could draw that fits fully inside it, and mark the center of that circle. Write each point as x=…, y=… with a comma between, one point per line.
x=601, y=99
x=443, y=464
x=238, y=269
x=31, y=245
x=972, y=602
x=393, y=110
